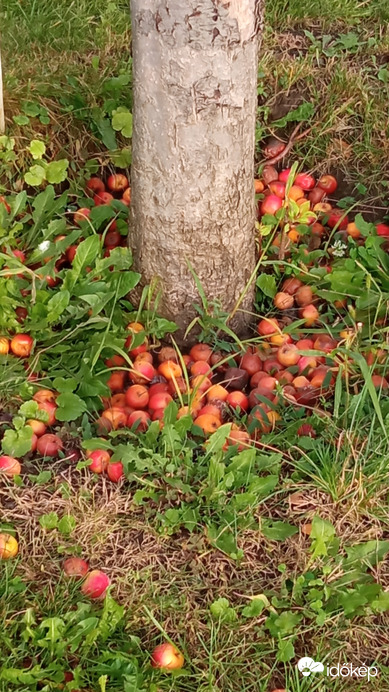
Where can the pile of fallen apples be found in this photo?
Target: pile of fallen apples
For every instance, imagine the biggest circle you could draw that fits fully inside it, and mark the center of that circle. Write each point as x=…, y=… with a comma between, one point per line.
x=245, y=389
x=277, y=190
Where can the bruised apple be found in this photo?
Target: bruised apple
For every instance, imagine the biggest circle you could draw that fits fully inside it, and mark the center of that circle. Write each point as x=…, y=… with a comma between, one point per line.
x=49, y=445
x=75, y=567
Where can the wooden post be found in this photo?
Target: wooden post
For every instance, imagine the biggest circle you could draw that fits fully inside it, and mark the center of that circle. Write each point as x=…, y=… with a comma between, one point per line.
x=2, y=118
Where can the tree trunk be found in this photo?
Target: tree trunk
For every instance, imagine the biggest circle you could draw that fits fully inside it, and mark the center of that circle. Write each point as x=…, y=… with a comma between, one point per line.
x=195, y=98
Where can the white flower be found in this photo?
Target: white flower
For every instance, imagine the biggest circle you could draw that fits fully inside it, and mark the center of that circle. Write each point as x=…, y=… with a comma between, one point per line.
x=44, y=245
x=339, y=248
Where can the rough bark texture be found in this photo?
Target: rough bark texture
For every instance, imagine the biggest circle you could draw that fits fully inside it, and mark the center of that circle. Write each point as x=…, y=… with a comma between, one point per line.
x=195, y=95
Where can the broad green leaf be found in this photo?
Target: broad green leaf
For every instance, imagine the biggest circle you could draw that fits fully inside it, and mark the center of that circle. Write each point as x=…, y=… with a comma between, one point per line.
x=122, y=121
x=122, y=158
x=322, y=535
x=255, y=607
x=57, y=305
x=286, y=623
x=70, y=406
x=221, y=610
x=21, y=119
x=285, y=650
x=35, y=176
x=366, y=554
x=49, y=521
x=41, y=478
x=267, y=284
x=277, y=530
x=86, y=254
x=17, y=443
x=66, y=525
x=57, y=171
x=37, y=149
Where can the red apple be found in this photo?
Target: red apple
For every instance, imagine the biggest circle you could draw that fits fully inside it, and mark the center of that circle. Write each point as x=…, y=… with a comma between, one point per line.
x=382, y=229
x=328, y=183
x=139, y=420
x=270, y=205
x=95, y=185
x=284, y=175
x=81, y=215
x=338, y=218
x=21, y=345
x=75, y=567
x=9, y=466
x=137, y=396
x=238, y=399
x=49, y=445
x=117, y=182
x=305, y=181
x=167, y=657
x=102, y=198
x=96, y=584
x=100, y=459
x=115, y=471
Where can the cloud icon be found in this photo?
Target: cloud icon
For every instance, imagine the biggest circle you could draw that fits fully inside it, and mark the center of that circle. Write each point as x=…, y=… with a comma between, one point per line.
x=307, y=666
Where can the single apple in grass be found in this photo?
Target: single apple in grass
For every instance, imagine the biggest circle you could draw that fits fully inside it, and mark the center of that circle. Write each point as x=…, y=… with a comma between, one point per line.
x=95, y=585
x=8, y=546
x=9, y=466
x=75, y=567
x=167, y=657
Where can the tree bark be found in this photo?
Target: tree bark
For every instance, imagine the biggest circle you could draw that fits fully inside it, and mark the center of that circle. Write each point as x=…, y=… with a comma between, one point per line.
x=195, y=99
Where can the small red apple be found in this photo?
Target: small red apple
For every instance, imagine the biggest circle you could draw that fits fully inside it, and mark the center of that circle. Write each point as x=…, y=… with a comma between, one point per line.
x=270, y=205
x=115, y=471
x=95, y=185
x=81, y=215
x=9, y=466
x=96, y=584
x=49, y=445
x=100, y=459
x=117, y=182
x=21, y=345
x=75, y=567
x=167, y=657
